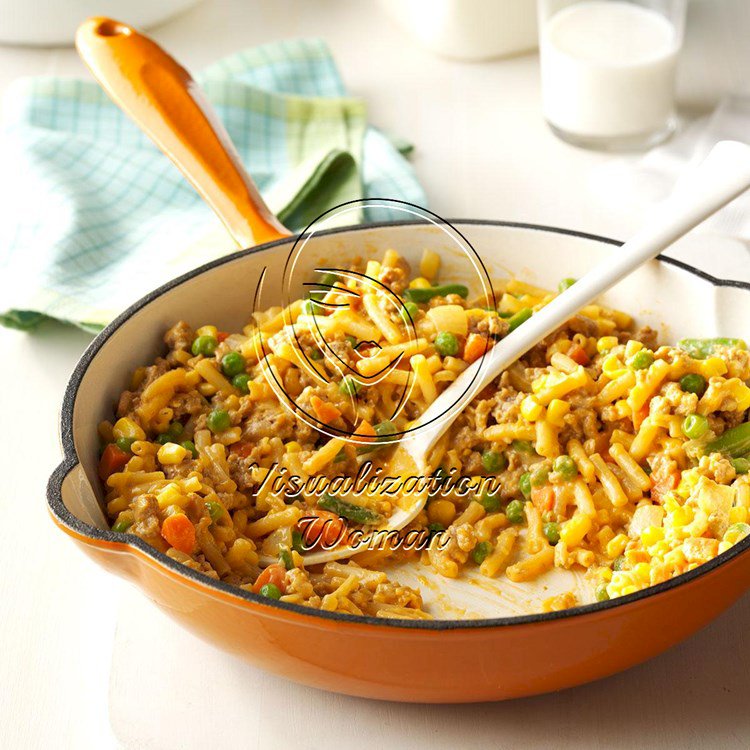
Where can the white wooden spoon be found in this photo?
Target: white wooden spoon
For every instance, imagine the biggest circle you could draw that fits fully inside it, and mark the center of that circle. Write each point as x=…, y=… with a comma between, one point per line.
x=721, y=177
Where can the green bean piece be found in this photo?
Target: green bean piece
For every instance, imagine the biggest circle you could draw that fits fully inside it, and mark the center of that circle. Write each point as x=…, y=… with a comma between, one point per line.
x=480, y=552
x=329, y=279
x=215, y=510
x=356, y=513
x=121, y=526
x=522, y=446
x=566, y=284
x=349, y=386
x=298, y=544
x=316, y=355
x=189, y=445
x=285, y=558
x=601, y=593
x=702, y=348
x=519, y=318
x=383, y=430
x=734, y=443
x=741, y=465
x=425, y=295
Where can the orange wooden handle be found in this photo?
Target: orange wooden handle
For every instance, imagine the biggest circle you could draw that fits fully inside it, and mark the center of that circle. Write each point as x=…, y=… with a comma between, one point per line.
x=166, y=103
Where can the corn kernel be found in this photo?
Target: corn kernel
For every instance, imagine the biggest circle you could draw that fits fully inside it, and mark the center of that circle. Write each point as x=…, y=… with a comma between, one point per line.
x=293, y=447
x=574, y=530
x=171, y=453
x=127, y=428
x=442, y=512
x=616, y=547
x=556, y=411
x=191, y=484
x=605, y=574
x=170, y=494
x=642, y=571
x=429, y=265
x=612, y=367
x=419, y=283
x=531, y=409
x=632, y=347
x=651, y=535
x=712, y=366
x=207, y=331
x=605, y=343
x=682, y=516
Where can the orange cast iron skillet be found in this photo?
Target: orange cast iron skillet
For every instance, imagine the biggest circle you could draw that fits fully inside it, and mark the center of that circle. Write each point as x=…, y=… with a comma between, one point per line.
x=404, y=660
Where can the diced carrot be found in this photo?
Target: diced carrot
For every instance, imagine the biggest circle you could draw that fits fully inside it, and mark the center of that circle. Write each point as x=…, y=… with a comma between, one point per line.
x=475, y=347
x=326, y=528
x=365, y=432
x=640, y=415
x=274, y=574
x=543, y=497
x=324, y=411
x=222, y=336
x=113, y=459
x=578, y=354
x=241, y=449
x=179, y=532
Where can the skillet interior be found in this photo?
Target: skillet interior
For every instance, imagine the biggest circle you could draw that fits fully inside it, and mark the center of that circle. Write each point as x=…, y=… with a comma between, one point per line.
x=673, y=298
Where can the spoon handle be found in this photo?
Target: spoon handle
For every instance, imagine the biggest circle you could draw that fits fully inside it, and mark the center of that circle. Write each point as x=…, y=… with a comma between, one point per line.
x=166, y=103
x=721, y=177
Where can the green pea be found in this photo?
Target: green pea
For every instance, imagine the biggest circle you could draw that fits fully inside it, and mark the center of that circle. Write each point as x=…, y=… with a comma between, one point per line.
x=241, y=382
x=601, y=593
x=270, y=591
x=164, y=438
x=519, y=318
x=551, y=530
x=232, y=364
x=218, y=420
x=446, y=344
x=494, y=461
x=435, y=528
x=352, y=341
x=539, y=477
x=175, y=430
x=566, y=468
x=566, y=284
x=215, y=510
x=311, y=307
x=695, y=426
x=285, y=558
x=409, y=312
x=642, y=360
x=619, y=563
x=524, y=484
x=741, y=465
x=189, y=445
x=693, y=383
x=480, y=552
x=514, y=511
x=122, y=525
x=522, y=446
x=316, y=355
x=328, y=280
x=205, y=345
x=125, y=444
x=349, y=386
x=491, y=503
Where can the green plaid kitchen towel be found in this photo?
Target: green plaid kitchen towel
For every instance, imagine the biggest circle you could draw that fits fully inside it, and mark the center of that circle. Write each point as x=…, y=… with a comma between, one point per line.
x=95, y=216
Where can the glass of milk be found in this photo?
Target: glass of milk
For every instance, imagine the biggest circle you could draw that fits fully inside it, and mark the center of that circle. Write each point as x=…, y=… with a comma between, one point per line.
x=608, y=70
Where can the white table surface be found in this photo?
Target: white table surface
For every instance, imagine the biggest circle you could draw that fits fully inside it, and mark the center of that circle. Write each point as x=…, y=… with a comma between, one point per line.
x=87, y=662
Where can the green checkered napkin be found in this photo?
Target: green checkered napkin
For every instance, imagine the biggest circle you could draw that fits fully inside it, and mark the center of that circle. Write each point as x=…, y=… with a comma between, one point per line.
x=95, y=216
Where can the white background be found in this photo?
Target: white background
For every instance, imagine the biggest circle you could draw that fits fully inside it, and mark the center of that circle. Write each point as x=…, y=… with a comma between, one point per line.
x=87, y=662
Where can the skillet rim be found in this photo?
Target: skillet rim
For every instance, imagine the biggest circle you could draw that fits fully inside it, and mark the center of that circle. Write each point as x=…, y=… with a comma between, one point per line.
x=70, y=461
